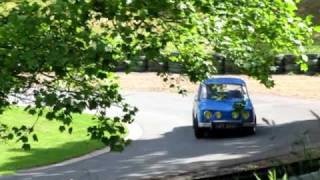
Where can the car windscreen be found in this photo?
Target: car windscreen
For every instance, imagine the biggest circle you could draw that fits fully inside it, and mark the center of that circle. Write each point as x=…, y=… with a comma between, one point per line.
x=225, y=91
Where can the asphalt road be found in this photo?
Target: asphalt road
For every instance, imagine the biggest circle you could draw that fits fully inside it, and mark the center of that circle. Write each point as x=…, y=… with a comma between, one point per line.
x=167, y=144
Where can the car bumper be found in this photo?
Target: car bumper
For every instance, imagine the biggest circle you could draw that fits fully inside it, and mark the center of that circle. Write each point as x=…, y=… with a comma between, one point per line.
x=229, y=123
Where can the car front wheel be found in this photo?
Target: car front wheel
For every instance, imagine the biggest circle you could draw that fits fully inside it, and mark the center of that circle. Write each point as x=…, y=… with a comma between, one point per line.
x=250, y=130
x=198, y=132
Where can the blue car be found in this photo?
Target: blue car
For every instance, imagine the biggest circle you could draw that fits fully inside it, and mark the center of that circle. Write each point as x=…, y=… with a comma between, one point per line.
x=223, y=103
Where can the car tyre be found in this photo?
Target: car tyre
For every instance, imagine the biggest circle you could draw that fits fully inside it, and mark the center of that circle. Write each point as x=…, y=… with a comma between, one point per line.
x=198, y=132
x=250, y=130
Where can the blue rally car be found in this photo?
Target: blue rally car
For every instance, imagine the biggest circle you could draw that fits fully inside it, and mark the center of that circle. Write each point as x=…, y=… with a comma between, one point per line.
x=223, y=103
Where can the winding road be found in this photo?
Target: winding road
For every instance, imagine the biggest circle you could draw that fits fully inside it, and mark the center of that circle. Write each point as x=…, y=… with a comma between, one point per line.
x=167, y=145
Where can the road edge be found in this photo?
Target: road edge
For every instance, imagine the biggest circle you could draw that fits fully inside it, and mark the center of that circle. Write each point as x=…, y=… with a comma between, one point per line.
x=205, y=172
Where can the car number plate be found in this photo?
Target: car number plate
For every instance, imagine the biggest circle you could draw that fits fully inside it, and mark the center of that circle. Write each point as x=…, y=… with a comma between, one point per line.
x=225, y=126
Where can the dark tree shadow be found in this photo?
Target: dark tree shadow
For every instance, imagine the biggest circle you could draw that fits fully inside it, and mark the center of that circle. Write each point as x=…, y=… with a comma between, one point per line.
x=178, y=151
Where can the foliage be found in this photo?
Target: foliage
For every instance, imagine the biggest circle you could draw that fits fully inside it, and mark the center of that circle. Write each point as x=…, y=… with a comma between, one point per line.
x=66, y=50
x=272, y=175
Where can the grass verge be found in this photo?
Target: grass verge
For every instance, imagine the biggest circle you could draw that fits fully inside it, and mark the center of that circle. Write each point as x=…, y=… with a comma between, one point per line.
x=52, y=147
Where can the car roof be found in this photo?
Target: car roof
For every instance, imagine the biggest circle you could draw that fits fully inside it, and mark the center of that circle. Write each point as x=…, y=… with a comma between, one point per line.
x=224, y=80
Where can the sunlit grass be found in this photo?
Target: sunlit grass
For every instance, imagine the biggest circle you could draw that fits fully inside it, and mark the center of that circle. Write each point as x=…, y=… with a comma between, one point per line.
x=52, y=147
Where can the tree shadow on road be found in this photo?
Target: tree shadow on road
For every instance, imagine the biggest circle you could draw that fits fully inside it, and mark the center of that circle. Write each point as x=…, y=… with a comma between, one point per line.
x=178, y=151
x=175, y=151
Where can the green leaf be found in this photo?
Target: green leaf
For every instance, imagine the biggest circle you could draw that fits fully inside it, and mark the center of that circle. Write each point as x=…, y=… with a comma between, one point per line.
x=24, y=139
x=291, y=5
x=35, y=138
x=316, y=28
x=23, y=128
x=32, y=111
x=285, y=176
x=70, y=130
x=62, y=128
x=304, y=67
x=50, y=115
x=272, y=174
x=256, y=176
x=10, y=136
x=117, y=148
x=26, y=147
x=105, y=141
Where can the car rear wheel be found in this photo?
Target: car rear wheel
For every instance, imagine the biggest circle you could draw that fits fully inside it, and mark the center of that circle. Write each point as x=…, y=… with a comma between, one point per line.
x=198, y=132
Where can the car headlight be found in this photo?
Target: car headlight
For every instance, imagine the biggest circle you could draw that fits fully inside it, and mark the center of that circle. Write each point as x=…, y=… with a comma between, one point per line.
x=235, y=115
x=245, y=115
x=218, y=115
x=207, y=114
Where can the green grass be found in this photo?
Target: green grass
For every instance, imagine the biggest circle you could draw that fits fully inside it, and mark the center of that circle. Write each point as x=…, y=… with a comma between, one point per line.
x=52, y=147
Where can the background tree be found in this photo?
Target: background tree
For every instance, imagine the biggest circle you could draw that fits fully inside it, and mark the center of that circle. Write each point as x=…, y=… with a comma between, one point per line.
x=64, y=52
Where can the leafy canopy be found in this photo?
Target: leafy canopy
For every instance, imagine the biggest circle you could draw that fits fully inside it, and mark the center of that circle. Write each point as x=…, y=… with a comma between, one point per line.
x=63, y=52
